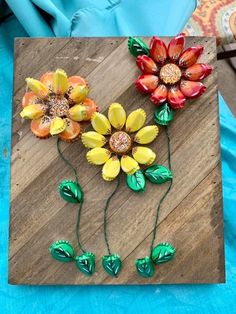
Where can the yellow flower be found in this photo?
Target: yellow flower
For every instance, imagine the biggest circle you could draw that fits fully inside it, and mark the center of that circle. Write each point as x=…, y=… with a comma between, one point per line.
x=120, y=131
x=56, y=104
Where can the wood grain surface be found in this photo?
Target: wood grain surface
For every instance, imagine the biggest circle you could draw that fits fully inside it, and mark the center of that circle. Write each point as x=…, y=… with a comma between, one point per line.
x=191, y=216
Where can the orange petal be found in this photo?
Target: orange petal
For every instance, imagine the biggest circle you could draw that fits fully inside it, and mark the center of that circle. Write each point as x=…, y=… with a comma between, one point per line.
x=190, y=56
x=192, y=89
x=198, y=71
x=76, y=80
x=158, y=50
x=176, y=98
x=46, y=79
x=176, y=47
x=91, y=107
x=41, y=127
x=159, y=95
x=29, y=99
x=146, y=64
x=146, y=83
x=71, y=131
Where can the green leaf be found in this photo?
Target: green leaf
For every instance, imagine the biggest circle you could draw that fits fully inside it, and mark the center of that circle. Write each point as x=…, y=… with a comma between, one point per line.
x=163, y=115
x=136, y=182
x=112, y=264
x=137, y=47
x=145, y=267
x=86, y=263
x=162, y=253
x=71, y=191
x=62, y=251
x=158, y=174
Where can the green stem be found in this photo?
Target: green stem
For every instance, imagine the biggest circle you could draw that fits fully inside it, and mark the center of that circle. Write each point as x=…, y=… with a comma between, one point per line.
x=80, y=204
x=154, y=233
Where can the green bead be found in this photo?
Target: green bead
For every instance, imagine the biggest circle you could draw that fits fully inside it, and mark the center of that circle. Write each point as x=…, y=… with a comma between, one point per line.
x=162, y=253
x=136, y=182
x=158, y=174
x=70, y=191
x=112, y=264
x=62, y=251
x=137, y=47
x=163, y=115
x=86, y=263
x=145, y=267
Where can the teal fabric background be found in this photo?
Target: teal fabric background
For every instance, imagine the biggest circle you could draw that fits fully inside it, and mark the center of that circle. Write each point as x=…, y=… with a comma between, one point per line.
x=84, y=18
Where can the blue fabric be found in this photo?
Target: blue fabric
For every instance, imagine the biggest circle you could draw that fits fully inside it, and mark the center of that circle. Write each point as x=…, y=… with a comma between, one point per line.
x=82, y=18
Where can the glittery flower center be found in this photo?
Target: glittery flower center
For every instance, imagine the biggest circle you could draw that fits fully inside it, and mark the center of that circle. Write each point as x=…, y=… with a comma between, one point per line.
x=170, y=73
x=120, y=142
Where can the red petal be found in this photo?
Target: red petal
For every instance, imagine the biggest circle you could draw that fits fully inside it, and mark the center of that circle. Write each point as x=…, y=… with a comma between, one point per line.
x=198, y=71
x=146, y=64
x=146, y=83
x=159, y=95
x=175, y=98
x=192, y=89
x=158, y=50
x=176, y=47
x=190, y=56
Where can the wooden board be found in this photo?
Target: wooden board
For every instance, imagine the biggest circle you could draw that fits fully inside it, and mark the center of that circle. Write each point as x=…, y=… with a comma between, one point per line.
x=191, y=217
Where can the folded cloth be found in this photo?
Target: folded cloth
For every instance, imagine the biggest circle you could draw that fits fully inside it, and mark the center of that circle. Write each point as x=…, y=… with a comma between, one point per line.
x=122, y=299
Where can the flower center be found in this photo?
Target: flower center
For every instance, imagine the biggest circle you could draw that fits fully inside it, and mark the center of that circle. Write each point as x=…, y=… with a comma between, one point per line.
x=58, y=107
x=120, y=142
x=170, y=73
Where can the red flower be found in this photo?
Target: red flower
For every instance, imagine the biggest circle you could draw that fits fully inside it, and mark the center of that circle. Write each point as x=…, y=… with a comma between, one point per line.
x=171, y=73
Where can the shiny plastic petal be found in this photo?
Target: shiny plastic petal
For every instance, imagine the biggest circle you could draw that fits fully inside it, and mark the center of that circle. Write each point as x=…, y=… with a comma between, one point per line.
x=37, y=87
x=71, y=131
x=60, y=82
x=190, y=56
x=46, y=79
x=75, y=80
x=57, y=126
x=176, y=98
x=111, y=169
x=192, y=89
x=117, y=115
x=29, y=99
x=197, y=71
x=146, y=83
x=93, y=139
x=176, y=47
x=143, y=155
x=129, y=165
x=79, y=93
x=100, y=123
x=147, y=134
x=159, y=95
x=98, y=156
x=158, y=50
x=135, y=120
x=32, y=112
x=41, y=127
x=146, y=64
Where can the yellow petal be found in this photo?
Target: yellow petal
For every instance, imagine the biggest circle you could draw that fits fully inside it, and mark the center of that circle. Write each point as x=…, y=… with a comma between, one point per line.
x=117, y=116
x=143, y=155
x=129, y=165
x=57, y=126
x=60, y=82
x=135, y=120
x=32, y=112
x=78, y=113
x=98, y=155
x=111, y=169
x=79, y=93
x=147, y=134
x=100, y=123
x=93, y=139
x=37, y=87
